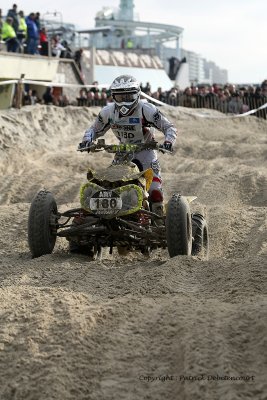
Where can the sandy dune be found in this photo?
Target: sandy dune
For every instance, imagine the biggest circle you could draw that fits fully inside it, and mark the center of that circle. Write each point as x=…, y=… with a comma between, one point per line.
x=135, y=328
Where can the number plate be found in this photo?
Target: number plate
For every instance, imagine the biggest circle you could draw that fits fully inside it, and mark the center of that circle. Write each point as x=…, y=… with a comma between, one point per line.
x=105, y=202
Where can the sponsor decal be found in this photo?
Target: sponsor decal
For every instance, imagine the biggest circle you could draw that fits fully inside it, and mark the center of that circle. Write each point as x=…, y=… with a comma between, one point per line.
x=124, y=110
x=134, y=120
x=128, y=128
x=156, y=116
x=100, y=118
x=155, y=165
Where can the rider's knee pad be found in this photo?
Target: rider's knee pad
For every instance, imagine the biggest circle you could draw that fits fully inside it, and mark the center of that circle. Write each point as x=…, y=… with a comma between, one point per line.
x=156, y=196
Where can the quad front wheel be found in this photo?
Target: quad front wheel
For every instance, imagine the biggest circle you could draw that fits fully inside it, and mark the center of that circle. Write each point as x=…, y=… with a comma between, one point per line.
x=178, y=226
x=42, y=224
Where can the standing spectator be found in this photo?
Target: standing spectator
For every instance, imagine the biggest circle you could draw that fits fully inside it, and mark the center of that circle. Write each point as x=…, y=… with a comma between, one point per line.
x=129, y=44
x=223, y=99
x=9, y=35
x=48, y=97
x=37, y=21
x=78, y=57
x=82, y=100
x=201, y=97
x=1, y=24
x=235, y=104
x=232, y=89
x=211, y=98
x=147, y=88
x=33, y=35
x=63, y=100
x=248, y=97
x=242, y=92
x=14, y=15
x=22, y=30
x=264, y=88
x=194, y=93
x=30, y=98
x=159, y=95
x=97, y=94
x=187, y=97
x=90, y=98
x=259, y=101
x=263, y=113
x=56, y=47
x=173, y=96
x=216, y=88
x=67, y=53
x=258, y=94
x=104, y=96
x=95, y=88
x=43, y=42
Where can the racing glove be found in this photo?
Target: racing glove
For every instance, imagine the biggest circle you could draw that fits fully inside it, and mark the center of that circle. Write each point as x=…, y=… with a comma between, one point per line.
x=167, y=146
x=85, y=144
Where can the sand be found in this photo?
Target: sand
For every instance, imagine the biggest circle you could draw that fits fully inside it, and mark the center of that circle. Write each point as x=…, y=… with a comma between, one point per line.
x=135, y=328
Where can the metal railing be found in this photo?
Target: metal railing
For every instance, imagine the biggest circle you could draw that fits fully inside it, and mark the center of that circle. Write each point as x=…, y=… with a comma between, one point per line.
x=234, y=105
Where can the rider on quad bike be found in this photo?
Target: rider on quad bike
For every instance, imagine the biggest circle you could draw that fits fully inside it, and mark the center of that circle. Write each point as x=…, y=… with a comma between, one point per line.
x=116, y=210
x=133, y=121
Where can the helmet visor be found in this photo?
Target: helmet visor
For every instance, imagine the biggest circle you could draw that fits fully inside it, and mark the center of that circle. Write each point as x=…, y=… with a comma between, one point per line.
x=125, y=97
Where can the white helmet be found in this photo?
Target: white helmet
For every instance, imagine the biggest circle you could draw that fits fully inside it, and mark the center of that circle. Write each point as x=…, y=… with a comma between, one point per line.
x=125, y=91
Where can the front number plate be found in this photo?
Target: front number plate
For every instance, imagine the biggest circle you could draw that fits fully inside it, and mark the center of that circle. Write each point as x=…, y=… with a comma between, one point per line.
x=105, y=202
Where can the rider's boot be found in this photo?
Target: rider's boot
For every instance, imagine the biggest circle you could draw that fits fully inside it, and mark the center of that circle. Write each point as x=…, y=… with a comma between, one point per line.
x=156, y=201
x=157, y=208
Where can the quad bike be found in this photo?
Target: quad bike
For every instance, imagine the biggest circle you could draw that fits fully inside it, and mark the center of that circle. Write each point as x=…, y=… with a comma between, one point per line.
x=115, y=212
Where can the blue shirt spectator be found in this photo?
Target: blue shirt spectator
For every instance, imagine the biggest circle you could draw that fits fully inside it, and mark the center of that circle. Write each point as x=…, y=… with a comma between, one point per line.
x=32, y=35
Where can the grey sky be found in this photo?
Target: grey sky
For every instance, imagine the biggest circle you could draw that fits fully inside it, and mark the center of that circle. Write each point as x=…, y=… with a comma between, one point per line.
x=231, y=33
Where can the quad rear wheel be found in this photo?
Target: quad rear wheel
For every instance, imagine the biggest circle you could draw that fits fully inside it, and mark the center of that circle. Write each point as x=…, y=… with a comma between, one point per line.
x=42, y=224
x=178, y=226
x=200, y=246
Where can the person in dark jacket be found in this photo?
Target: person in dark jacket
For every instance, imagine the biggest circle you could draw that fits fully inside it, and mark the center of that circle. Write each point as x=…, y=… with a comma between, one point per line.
x=12, y=13
x=32, y=35
x=37, y=21
x=78, y=57
x=48, y=97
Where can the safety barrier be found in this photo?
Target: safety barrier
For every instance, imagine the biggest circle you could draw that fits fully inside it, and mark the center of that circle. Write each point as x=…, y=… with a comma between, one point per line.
x=259, y=106
x=234, y=104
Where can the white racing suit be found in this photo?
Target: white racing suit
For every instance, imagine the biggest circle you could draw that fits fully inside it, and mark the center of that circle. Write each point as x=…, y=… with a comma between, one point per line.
x=136, y=128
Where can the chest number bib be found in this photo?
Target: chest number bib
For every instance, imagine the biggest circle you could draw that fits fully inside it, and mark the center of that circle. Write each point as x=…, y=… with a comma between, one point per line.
x=128, y=131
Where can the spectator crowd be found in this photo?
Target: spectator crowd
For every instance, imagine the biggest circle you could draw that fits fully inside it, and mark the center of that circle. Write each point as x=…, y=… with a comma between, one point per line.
x=228, y=98
x=24, y=34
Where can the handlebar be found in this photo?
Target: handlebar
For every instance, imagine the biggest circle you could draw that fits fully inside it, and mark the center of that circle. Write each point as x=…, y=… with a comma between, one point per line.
x=123, y=148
